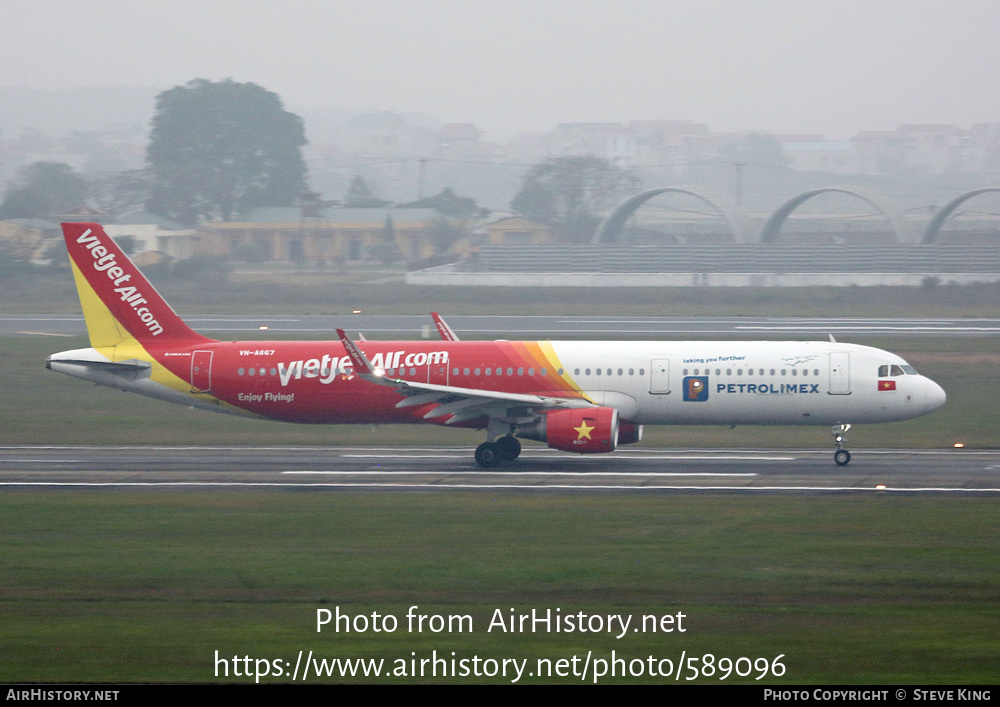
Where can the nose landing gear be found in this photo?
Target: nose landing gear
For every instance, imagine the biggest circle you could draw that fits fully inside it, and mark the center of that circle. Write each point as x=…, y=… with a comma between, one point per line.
x=842, y=457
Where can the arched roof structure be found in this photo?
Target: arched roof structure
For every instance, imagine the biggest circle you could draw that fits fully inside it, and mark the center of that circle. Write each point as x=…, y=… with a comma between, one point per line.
x=611, y=225
x=935, y=224
x=772, y=227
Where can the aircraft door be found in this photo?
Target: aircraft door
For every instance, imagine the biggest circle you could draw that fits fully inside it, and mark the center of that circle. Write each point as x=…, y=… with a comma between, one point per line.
x=840, y=373
x=201, y=372
x=659, y=376
x=439, y=372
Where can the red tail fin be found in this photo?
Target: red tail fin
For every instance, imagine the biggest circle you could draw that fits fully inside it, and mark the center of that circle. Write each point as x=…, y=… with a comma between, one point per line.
x=118, y=301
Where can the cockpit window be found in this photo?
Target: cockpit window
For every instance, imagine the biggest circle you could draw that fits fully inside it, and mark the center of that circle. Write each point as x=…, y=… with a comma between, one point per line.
x=894, y=370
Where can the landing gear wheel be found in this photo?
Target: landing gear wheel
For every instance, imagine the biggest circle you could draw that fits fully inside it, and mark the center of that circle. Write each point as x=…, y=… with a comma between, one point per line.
x=488, y=455
x=839, y=431
x=509, y=447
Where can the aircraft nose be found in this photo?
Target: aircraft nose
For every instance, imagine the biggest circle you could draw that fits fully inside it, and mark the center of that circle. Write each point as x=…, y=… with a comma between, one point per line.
x=934, y=396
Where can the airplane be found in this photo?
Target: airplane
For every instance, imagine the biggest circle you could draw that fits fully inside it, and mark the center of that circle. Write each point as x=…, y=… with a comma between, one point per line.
x=575, y=396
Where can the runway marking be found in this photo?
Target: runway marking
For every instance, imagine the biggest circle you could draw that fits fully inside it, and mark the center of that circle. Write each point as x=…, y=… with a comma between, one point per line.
x=575, y=457
x=867, y=328
x=492, y=487
x=258, y=320
x=527, y=473
x=404, y=456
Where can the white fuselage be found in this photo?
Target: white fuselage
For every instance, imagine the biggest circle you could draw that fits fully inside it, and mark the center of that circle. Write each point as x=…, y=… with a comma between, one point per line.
x=752, y=382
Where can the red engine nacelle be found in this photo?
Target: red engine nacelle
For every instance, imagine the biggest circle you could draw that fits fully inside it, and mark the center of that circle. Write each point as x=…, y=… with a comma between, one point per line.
x=585, y=430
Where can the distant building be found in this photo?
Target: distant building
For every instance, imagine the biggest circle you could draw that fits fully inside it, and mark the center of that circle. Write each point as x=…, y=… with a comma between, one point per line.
x=612, y=141
x=24, y=238
x=929, y=149
x=517, y=230
x=460, y=137
x=386, y=133
x=814, y=154
x=328, y=234
x=154, y=234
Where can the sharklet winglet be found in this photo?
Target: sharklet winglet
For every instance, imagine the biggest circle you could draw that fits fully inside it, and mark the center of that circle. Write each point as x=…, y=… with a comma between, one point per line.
x=362, y=366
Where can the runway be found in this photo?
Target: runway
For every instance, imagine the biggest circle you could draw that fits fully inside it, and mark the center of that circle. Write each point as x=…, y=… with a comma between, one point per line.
x=249, y=326
x=539, y=470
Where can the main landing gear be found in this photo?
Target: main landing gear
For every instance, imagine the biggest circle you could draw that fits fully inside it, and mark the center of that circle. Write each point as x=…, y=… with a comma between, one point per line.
x=842, y=457
x=504, y=449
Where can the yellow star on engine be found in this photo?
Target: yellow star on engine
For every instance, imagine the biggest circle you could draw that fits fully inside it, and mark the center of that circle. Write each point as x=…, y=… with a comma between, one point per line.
x=583, y=430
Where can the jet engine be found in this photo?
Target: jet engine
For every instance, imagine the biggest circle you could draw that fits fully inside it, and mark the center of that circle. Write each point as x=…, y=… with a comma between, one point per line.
x=581, y=430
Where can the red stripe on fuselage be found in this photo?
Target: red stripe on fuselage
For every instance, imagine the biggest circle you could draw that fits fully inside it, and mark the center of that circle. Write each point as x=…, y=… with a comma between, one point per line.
x=299, y=381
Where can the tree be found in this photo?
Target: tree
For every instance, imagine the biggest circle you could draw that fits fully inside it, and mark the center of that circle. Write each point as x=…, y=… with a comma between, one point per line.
x=456, y=213
x=448, y=203
x=218, y=149
x=568, y=192
x=123, y=192
x=43, y=189
x=387, y=250
x=359, y=196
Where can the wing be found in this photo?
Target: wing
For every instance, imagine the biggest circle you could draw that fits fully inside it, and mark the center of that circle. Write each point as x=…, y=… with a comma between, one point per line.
x=461, y=403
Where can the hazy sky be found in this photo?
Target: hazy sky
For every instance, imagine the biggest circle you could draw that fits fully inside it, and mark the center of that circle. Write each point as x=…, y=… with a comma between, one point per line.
x=826, y=66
